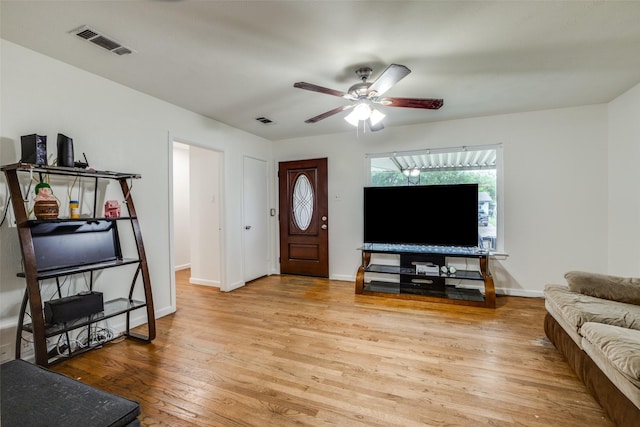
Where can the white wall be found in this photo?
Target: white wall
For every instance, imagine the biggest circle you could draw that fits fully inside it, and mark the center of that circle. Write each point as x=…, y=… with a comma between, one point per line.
x=205, y=216
x=624, y=184
x=181, y=211
x=119, y=129
x=555, y=193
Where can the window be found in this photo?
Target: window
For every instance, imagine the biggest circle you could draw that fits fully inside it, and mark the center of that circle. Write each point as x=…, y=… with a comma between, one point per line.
x=461, y=165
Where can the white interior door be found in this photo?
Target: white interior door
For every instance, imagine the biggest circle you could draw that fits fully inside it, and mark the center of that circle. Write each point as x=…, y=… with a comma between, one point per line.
x=256, y=219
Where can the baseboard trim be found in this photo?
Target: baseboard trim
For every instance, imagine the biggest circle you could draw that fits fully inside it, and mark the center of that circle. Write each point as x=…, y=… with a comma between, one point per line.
x=182, y=267
x=520, y=293
x=342, y=277
x=205, y=282
x=233, y=287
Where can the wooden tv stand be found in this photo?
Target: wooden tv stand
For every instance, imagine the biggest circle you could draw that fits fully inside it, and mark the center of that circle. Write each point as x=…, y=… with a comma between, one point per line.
x=426, y=287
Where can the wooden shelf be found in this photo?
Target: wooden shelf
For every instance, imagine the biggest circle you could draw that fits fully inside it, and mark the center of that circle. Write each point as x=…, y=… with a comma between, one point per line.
x=111, y=309
x=36, y=222
x=50, y=274
x=65, y=171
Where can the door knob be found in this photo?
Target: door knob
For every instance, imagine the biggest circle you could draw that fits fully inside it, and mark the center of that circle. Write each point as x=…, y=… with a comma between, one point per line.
x=247, y=227
x=323, y=226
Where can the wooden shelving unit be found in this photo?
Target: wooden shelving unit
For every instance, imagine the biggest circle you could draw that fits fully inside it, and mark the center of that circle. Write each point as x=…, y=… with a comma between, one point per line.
x=41, y=242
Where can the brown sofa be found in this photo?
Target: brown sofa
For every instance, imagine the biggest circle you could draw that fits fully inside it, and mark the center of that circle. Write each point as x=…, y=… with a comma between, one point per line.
x=594, y=321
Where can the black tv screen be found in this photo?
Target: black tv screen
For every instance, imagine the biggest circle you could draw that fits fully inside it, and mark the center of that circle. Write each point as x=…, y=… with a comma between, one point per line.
x=444, y=215
x=59, y=245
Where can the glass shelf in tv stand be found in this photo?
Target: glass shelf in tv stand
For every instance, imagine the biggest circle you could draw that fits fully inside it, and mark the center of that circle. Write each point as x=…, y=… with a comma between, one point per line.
x=432, y=287
x=409, y=271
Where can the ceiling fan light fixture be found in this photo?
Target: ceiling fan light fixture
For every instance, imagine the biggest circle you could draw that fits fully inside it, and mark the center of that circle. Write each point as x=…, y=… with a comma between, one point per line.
x=352, y=119
x=362, y=111
x=376, y=117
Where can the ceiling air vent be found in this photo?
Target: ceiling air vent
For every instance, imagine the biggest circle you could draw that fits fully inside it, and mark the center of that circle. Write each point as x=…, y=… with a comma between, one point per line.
x=264, y=120
x=92, y=35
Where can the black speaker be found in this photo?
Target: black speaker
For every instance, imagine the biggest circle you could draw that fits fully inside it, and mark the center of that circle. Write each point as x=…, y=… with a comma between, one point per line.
x=65, y=151
x=34, y=149
x=73, y=307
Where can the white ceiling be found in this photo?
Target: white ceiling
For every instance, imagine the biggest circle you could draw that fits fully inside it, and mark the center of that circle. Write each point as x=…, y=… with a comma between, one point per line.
x=235, y=61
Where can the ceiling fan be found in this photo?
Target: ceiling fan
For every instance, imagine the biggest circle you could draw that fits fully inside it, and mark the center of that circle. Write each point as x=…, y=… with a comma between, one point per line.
x=364, y=94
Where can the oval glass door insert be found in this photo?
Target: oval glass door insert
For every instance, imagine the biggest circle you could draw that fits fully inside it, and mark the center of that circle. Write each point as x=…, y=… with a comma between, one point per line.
x=302, y=202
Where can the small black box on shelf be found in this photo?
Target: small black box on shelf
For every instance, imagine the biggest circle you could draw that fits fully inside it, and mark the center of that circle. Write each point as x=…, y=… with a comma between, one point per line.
x=34, y=149
x=65, y=151
x=73, y=307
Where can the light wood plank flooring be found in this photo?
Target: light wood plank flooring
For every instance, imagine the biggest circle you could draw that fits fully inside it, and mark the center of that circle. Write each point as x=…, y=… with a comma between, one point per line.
x=287, y=350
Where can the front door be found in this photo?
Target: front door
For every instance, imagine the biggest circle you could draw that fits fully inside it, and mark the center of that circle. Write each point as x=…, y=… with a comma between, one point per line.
x=304, y=234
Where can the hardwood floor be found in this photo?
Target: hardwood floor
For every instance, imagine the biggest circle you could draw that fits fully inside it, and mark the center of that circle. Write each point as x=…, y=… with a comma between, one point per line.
x=288, y=350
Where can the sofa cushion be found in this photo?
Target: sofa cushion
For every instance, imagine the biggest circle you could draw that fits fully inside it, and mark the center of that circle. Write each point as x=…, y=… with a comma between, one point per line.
x=553, y=306
x=621, y=347
x=616, y=351
x=622, y=289
x=577, y=309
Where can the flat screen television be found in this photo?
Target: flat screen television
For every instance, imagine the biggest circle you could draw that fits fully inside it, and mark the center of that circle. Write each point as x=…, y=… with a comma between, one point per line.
x=443, y=215
x=65, y=244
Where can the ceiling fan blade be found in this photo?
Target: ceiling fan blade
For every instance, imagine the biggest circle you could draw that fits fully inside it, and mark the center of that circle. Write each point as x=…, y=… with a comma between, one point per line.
x=392, y=75
x=316, y=88
x=329, y=113
x=374, y=128
x=427, y=103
